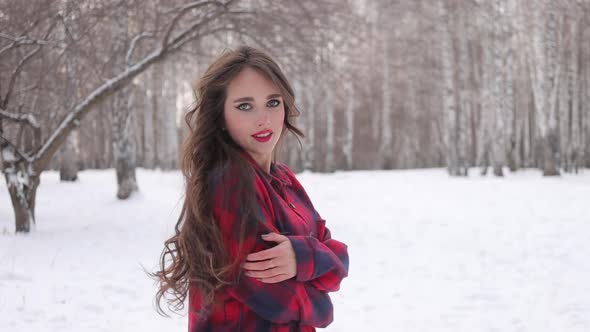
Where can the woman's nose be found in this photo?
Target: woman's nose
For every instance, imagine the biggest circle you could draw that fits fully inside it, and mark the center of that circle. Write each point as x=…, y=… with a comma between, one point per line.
x=264, y=120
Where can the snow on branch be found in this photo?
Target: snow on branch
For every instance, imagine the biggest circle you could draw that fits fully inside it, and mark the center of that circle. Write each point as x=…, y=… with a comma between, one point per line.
x=20, y=117
x=9, y=151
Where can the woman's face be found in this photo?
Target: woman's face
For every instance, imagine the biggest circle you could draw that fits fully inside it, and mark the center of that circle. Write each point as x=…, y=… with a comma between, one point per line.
x=253, y=107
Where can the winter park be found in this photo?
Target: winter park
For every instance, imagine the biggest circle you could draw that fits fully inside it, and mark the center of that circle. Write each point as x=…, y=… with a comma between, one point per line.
x=445, y=146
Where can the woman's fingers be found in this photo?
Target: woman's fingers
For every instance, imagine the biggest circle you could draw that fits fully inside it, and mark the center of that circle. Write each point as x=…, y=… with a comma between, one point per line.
x=266, y=273
x=265, y=254
x=275, y=279
x=272, y=265
x=261, y=265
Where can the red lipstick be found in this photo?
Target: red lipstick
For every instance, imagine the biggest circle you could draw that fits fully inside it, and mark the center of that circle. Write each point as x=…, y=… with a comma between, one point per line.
x=263, y=136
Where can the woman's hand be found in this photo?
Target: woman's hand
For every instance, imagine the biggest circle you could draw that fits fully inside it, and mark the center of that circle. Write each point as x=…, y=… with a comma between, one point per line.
x=275, y=264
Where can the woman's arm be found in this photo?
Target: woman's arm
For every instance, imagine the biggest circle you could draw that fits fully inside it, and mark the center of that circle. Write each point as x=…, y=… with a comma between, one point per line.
x=322, y=261
x=282, y=302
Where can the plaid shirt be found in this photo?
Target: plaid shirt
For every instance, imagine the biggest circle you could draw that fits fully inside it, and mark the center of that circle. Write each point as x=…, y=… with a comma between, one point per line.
x=297, y=304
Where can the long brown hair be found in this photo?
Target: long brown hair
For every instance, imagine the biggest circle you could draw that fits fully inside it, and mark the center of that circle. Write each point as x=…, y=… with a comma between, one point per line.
x=195, y=255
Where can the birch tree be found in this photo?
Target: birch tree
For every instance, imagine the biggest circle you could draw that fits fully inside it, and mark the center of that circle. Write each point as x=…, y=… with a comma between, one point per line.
x=545, y=73
x=464, y=95
x=498, y=142
x=348, y=143
x=385, y=153
x=570, y=108
x=449, y=108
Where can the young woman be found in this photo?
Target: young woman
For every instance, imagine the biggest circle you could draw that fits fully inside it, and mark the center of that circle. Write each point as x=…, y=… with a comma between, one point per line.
x=249, y=250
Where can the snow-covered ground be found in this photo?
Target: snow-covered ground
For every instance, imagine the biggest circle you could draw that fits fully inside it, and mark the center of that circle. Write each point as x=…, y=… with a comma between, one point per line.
x=427, y=252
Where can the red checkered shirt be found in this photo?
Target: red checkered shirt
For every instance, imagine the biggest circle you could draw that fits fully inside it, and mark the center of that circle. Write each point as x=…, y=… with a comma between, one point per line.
x=297, y=304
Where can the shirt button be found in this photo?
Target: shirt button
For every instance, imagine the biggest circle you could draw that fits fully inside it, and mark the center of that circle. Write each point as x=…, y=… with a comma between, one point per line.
x=292, y=205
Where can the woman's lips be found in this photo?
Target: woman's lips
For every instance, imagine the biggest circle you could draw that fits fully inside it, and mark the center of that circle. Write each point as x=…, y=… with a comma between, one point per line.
x=263, y=139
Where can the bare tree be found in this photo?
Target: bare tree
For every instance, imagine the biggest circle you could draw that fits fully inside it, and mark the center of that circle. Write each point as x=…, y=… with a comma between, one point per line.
x=22, y=168
x=380, y=84
x=545, y=73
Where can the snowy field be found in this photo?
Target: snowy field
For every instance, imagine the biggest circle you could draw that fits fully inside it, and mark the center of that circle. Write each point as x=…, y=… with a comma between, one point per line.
x=428, y=252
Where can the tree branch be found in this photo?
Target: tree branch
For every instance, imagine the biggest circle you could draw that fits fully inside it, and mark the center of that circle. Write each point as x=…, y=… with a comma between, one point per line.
x=4, y=141
x=183, y=11
x=19, y=41
x=20, y=117
x=183, y=37
x=72, y=119
x=19, y=67
x=43, y=155
x=134, y=42
x=14, y=75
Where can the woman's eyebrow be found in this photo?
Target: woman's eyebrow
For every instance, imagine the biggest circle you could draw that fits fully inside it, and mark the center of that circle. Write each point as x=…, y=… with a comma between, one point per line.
x=244, y=99
x=275, y=95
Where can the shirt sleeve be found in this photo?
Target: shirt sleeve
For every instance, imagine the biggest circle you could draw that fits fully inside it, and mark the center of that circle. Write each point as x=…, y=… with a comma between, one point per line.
x=281, y=302
x=321, y=260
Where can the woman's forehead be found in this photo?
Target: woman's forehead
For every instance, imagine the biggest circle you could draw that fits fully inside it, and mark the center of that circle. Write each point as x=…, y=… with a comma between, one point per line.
x=250, y=82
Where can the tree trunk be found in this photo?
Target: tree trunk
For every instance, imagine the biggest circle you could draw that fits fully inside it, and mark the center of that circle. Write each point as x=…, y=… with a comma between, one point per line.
x=464, y=94
x=573, y=147
x=375, y=38
x=450, y=112
x=545, y=68
x=149, y=122
x=548, y=154
x=349, y=115
x=487, y=106
x=385, y=125
x=498, y=143
x=550, y=141
x=22, y=182
x=68, y=167
x=23, y=202
x=330, y=130
x=124, y=143
x=584, y=157
x=165, y=112
x=509, y=109
x=310, y=92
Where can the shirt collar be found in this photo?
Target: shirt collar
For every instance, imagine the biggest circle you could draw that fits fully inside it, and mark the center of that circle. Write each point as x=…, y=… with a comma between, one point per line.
x=276, y=174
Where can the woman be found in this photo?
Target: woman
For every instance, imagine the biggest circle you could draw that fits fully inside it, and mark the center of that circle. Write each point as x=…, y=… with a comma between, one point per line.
x=249, y=250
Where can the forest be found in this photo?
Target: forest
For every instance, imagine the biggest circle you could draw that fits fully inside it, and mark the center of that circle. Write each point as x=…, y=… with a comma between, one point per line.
x=498, y=85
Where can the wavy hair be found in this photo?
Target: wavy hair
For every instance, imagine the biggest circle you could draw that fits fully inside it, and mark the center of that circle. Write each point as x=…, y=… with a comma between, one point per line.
x=195, y=255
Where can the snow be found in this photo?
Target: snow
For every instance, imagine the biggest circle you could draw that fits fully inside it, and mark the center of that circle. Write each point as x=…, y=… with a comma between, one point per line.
x=8, y=155
x=427, y=252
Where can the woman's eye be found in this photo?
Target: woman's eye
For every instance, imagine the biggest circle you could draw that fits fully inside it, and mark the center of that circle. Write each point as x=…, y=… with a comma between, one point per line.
x=244, y=107
x=274, y=103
